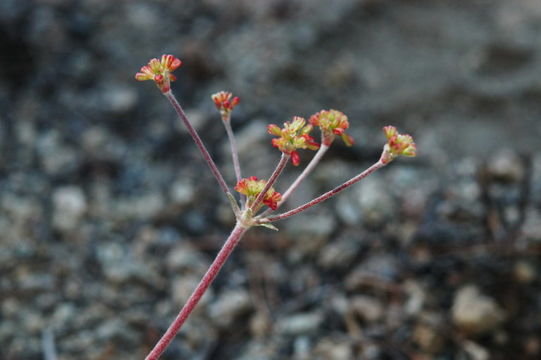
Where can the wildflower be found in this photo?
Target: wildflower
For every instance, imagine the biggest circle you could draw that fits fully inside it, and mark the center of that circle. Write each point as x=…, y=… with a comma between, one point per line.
x=332, y=123
x=293, y=136
x=224, y=103
x=397, y=144
x=252, y=187
x=160, y=72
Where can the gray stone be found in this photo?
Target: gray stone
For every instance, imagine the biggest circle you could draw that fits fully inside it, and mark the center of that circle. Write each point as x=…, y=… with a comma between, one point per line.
x=69, y=206
x=228, y=306
x=300, y=324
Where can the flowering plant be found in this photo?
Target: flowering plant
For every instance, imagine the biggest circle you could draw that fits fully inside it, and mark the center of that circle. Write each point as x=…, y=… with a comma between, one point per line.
x=255, y=193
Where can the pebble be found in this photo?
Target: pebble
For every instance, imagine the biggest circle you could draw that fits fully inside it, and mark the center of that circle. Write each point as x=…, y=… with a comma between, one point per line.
x=229, y=306
x=183, y=286
x=475, y=313
x=300, y=324
x=334, y=349
x=69, y=206
x=506, y=165
x=339, y=253
x=367, y=308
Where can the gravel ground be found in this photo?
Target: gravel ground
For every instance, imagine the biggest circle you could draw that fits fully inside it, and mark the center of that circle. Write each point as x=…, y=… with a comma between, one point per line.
x=108, y=217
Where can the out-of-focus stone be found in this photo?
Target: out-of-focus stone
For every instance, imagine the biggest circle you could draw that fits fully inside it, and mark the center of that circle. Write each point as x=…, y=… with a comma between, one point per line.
x=506, y=165
x=300, y=324
x=428, y=338
x=339, y=253
x=183, y=286
x=368, y=308
x=334, y=349
x=525, y=272
x=475, y=313
x=229, y=306
x=69, y=206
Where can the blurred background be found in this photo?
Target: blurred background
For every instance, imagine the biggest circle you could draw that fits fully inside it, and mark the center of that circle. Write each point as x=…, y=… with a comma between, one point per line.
x=109, y=217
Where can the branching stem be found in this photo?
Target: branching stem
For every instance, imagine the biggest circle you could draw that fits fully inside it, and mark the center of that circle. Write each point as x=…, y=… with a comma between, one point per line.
x=184, y=119
x=233, y=144
x=326, y=195
x=275, y=174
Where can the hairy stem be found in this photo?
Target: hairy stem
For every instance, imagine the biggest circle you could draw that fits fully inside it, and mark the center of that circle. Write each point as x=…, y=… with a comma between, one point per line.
x=195, y=136
x=226, y=250
x=233, y=143
x=307, y=170
x=275, y=174
x=325, y=196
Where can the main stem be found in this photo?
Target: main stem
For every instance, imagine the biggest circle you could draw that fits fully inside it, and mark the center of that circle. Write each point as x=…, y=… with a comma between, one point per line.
x=226, y=250
x=327, y=195
x=212, y=165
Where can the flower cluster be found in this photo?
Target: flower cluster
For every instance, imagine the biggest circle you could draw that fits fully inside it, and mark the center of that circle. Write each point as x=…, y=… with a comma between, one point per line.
x=293, y=136
x=397, y=144
x=160, y=72
x=332, y=123
x=224, y=103
x=252, y=187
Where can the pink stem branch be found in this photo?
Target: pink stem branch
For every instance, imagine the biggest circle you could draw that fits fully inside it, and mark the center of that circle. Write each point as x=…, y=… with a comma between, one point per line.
x=234, y=151
x=232, y=241
x=276, y=173
x=327, y=195
x=212, y=165
x=315, y=160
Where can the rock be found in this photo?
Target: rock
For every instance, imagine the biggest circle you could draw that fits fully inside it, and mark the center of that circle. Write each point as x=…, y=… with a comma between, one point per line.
x=476, y=351
x=475, y=313
x=182, y=192
x=260, y=324
x=118, y=98
x=367, y=308
x=301, y=347
x=339, y=253
x=229, y=306
x=311, y=234
x=416, y=297
x=531, y=229
x=428, y=333
x=69, y=204
x=374, y=200
x=377, y=266
x=183, y=286
x=428, y=338
x=334, y=349
x=525, y=272
x=184, y=258
x=56, y=157
x=300, y=324
x=506, y=165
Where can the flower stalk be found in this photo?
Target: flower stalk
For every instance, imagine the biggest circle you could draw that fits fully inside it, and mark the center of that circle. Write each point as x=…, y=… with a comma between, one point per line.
x=293, y=136
x=275, y=174
x=195, y=136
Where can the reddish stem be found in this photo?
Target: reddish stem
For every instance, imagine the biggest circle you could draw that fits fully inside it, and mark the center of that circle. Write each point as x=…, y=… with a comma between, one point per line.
x=233, y=144
x=212, y=165
x=327, y=195
x=279, y=168
x=232, y=241
x=315, y=160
